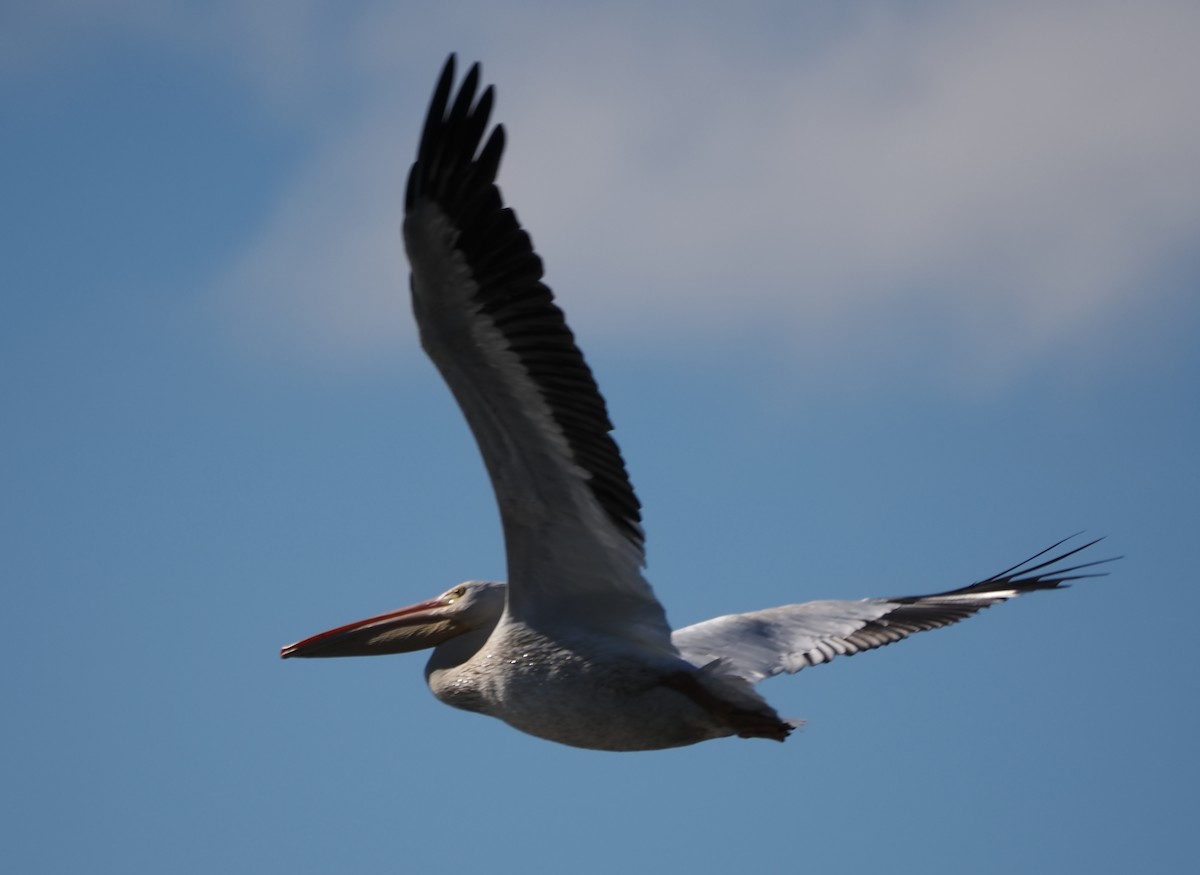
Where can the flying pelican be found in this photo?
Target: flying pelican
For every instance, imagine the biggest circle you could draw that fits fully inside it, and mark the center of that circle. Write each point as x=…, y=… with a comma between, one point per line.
x=575, y=648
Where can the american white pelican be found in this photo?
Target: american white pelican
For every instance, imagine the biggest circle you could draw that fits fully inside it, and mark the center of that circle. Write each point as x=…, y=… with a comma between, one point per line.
x=576, y=648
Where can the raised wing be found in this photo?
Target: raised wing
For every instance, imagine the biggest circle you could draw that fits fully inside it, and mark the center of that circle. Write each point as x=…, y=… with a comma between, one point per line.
x=572, y=524
x=761, y=644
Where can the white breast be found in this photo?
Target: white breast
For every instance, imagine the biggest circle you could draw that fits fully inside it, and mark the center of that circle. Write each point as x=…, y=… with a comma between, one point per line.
x=584, y=693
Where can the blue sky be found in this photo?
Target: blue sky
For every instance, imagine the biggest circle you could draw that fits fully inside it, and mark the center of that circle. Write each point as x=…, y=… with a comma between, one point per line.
x=883, y=297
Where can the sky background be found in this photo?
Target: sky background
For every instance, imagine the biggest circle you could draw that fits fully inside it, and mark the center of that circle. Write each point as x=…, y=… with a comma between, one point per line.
x=883, y=297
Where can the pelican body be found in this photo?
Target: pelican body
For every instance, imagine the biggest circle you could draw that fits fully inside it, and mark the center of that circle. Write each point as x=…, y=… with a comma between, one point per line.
x=575, y=647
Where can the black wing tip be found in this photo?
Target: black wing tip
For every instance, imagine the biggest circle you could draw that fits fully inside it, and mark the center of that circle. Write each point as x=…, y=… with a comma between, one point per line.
x=1046, y=572
x=1030, y=575
x=449, y=147
x=447, y=74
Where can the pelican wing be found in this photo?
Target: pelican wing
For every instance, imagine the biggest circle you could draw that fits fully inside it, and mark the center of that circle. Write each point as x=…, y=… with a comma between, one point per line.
x=572, y=523
x=761, y=644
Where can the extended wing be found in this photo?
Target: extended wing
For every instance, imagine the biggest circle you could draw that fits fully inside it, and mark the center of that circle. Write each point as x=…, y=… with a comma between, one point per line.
x=761, y=644
x=572, y=524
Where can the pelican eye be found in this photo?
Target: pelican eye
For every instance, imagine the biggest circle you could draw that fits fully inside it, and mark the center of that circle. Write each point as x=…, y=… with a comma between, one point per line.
x=455, y=594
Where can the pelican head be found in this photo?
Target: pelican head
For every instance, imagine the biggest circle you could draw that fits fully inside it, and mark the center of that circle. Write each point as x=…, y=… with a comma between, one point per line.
x=461, y=609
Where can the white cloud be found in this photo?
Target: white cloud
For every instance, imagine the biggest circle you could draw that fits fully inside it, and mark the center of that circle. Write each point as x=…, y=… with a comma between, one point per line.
x=992, y=180
x=327, y=275
x=1016, y=172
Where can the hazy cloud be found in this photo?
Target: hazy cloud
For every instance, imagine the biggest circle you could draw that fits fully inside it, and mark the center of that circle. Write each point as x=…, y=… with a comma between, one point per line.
x=991, y=179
